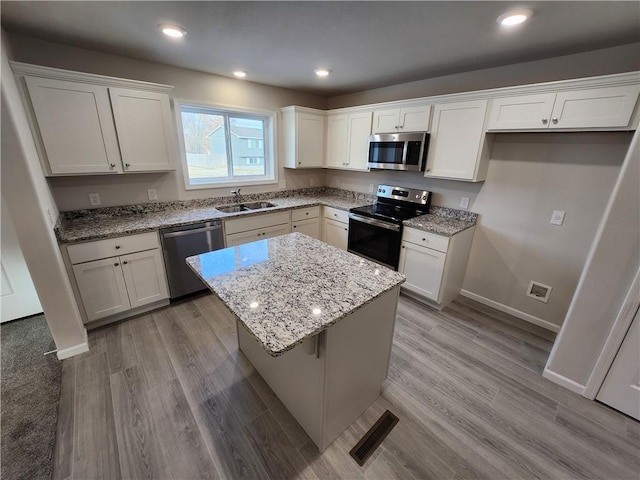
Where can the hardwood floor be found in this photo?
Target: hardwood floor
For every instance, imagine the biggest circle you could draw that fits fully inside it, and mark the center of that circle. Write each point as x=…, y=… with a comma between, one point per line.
x=168, y=395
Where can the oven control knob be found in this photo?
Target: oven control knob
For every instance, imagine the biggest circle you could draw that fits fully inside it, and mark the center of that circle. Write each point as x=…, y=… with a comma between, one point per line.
x=424, y=197
x=379, y=190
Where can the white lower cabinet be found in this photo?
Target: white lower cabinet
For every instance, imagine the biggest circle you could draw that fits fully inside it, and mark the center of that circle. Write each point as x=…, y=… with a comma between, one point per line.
x=335, y=227
x=116, y=284
x=258, y=234
x=259, y=227
x=434, y=264
x=309, y=227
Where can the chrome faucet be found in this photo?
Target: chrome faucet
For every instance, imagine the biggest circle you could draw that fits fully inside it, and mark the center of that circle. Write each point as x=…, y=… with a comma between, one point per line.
x=237, y=194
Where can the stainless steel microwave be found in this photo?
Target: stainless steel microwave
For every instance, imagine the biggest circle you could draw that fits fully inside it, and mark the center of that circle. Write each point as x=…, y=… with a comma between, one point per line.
x=398, y=151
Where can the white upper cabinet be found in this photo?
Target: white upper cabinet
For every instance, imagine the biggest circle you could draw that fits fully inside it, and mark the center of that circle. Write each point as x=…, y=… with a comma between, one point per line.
x=145, y=130
x=348, y=140
x=76, y=126
x=90, y=124
x=303, y=137
x=459, y=149
x=593, y=108
x=404, y=119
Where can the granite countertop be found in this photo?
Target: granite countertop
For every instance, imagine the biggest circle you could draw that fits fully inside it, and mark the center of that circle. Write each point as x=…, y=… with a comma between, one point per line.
x=289, y=288
x=443, y=221
x=117, y=221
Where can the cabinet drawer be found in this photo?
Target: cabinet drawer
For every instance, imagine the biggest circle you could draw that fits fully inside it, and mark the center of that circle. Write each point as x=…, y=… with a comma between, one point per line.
x=111, y=247
x=336, y=214
x=258, y=221
x=426, y=239
x=304, y=213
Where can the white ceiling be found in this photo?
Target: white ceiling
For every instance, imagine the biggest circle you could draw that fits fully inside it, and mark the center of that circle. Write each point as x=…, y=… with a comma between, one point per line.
x=365, y=44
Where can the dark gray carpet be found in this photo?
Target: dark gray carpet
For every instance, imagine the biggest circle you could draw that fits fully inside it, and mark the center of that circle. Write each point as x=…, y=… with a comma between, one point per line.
x=30, y=384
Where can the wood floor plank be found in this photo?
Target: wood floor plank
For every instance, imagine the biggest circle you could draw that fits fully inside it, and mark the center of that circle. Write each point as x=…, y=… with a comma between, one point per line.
x=121, y=350
x=279, y=457
x=153, y=357
x=95, y=448
x=91, y=368
x=387, y=466
x=179, y=435
x=63, y=453
x=139, y=449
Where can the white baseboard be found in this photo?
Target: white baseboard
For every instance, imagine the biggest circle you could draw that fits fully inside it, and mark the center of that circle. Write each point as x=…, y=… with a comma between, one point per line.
x=73, y=351
x=510, y=310
x=563, y=381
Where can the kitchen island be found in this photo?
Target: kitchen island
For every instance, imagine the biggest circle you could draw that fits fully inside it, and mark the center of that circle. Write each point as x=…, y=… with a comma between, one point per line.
x=315, y=321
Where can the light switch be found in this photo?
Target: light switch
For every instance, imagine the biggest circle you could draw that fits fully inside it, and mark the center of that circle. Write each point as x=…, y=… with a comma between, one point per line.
x=464, y=202
x=557, y=217
x=152, y=194
x=94, y=199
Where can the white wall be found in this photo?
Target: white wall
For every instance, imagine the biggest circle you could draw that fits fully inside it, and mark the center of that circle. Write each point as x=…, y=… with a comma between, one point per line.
x=31, y=205
x=71, y=193
x=613, y=261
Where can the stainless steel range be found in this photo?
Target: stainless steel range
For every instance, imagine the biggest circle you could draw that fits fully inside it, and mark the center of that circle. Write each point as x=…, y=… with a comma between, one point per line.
x=375, y=231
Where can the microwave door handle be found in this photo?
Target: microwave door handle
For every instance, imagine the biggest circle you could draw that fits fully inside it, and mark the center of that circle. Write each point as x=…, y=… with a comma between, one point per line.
x=405, y=150
x=374, y=222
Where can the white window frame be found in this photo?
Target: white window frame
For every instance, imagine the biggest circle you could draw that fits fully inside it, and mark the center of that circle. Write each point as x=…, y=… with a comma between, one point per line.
x=270, y=146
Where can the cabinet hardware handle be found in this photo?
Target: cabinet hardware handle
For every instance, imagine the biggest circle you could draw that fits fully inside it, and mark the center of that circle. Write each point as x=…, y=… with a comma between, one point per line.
x=554, y=120
x=299, y=163
x=124, y=263
x=335, y=214
x=116, y=264
x=424, y=239
x=545, y=121
x=112, y=166
x=428, y=170
x=402, y=246
x=117, y=247
x=307, y=213
x=295, y=226
x=397, y=126
x=127, y=165
x=345, y=229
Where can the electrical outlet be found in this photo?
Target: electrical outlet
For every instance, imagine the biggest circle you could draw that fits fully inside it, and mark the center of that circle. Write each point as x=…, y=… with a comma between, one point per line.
x=312, y=182
x=371, y=188
x=94, y=199
x=557, y=217
x=50, y=217
x=152, y=194
x=464, y=202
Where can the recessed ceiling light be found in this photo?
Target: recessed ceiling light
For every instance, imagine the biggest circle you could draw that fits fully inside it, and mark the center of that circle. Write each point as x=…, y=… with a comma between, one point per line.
x=172, y=31
x=514, y=17
x=240, y=74
x=322, y=72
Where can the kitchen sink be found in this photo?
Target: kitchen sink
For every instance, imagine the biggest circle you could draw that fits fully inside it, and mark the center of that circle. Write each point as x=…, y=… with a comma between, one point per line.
x=232, y=208
x=243, y=207
x=257, y=205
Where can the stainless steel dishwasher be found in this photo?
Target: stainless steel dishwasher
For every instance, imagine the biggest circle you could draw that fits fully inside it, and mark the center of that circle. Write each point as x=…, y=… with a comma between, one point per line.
x=178, y=243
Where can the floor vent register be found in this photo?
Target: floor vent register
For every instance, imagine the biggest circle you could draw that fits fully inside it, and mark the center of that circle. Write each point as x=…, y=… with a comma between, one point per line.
x=374, y=437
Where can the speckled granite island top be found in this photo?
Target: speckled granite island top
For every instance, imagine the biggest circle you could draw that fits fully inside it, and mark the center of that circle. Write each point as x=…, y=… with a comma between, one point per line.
x=288, y=288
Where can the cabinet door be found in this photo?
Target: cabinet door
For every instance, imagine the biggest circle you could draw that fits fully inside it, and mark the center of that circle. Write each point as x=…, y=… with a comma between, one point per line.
x=386, y=121
x=337, y=136
x=102, y=287
x=522, y=112
x=309, y=227
x=457, y=137
x=424, y=268
x=76, y=126
x=144, y=277
x=309, y=140
x=415, y=119
x=255, y=235
x=358, y=148
x=596, y=107
x=335, y=233
x=145, y=130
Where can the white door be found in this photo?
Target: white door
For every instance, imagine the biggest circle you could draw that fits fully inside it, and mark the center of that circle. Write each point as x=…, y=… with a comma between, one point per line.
x=19, y=297
x=359, y=132
x=521, y=112
x=144, y=277
x=76, y=126
x=309, y=227
x=424, y=268
x=595, y=107
x=335, y=233
x=145, y=130
x=102, y=287
x=386, y=121
x=621, y=387
x=415, y=119
x=337, y=129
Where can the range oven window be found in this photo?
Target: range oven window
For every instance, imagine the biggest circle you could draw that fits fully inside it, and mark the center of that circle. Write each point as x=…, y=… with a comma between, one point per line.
x=386, y=152
x=379, y=244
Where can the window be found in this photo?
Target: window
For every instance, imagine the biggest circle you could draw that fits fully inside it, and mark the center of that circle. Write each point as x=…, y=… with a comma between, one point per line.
x=222, y=146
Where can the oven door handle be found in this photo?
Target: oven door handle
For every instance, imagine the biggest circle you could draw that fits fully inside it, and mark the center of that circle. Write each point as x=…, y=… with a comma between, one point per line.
x=374, y=222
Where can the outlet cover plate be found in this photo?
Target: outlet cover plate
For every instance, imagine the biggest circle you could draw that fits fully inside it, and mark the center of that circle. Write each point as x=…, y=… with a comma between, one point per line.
x=557, y=217
x=94, y=199
x=152, y=194
x=464, y=202
x=539, y=291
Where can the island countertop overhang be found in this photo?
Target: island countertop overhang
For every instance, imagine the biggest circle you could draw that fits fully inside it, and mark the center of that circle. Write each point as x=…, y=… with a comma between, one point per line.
x=292, y=287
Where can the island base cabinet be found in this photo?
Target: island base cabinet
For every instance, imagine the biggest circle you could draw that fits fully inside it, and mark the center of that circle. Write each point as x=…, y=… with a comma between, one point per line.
x=329, y=380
